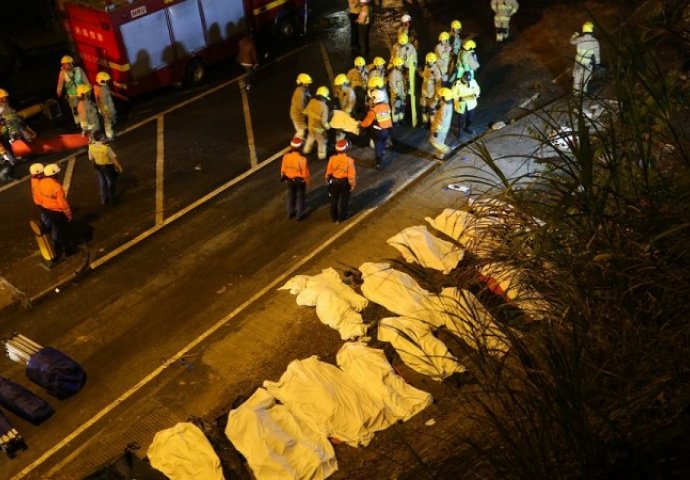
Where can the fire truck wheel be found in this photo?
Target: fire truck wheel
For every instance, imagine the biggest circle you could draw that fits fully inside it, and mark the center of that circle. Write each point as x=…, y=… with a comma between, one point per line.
x=195, y=71
x=287, y=28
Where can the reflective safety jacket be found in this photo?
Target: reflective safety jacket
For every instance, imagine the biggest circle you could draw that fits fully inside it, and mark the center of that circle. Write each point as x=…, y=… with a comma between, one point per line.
x=431, y=80
x=51, y=196
x=317, y=114
x=442, y=117
x=294, y=165
x=34, y=189
x=358, y=78
x=379, y=116
x=465, y=95
x=341, y=166
x=299, y=101
x=587, y=46
x=71, y=80
x=88, y=115
x=456, y=43
x=104, y=99
x=406, y=52
x=443, y=52
x=101, y=154
x=504, y=9
x=346, y=98
x=467, y=62
x=396, y=83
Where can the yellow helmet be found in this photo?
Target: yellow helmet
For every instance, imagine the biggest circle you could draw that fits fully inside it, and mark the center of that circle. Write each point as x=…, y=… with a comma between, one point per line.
x=431, y=57
x=303, y=79
x=83, y=90
x=375, y=82
x=403, y=39
x=102, y=77
x=445, y=93
x=66, y=59
x=360, y=62
x=456, y=25
x=379, y=62
x=587, y=27
x=3, y=93
x=398, y=62
x=324, y=92
x=340, y=80
x=469, y=45
x=444, y=37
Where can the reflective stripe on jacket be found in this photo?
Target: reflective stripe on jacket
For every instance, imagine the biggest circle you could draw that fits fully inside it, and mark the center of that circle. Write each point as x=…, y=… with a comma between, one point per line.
x=100, y=153
x=465, y=95
x=342, y=166
x=381, y=113
x=104, y=99
x=299, y=101
x=587, y=49
x=294, y=165
x=504, y=9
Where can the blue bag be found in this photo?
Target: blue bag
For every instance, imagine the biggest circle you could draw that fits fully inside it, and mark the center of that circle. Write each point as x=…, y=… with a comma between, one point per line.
x=23, y=403
x=61, y=376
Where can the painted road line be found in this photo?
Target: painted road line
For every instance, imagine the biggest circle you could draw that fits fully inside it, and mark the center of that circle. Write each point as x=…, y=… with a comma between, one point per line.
x=327, y=62
x=67, y=179
x=100, y=261
x=160, y=168
x=219, y=324
x=248, y=124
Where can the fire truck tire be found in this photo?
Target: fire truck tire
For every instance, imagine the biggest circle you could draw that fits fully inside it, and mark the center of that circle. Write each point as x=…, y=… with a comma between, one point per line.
x=195, y=72
x=287, y=28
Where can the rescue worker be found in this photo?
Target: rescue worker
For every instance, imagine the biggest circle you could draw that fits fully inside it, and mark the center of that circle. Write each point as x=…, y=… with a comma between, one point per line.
x=467, y=60
x=358, y=76
x=248, y=58
x=443, y=52
x=300, y=98
x=376, y=84
x=105, y=104
x=587, y=57
x=405, y=50
x=379, y=122
x=55, y=211
x=377, y=68
x=431, y=83
x=36, y=172
x=347, y=100
x=455, y=38
x=503, y=10
x=465, y=93
x=13, y=126
x=88, y=114
x=441, y=122
x=341, y=177
x=318, y=114
x=354, y=7
x=107, y=165
x=294, y=170
x=363, y=26
x=71, y=77
x=408, y=29
x=396, y=86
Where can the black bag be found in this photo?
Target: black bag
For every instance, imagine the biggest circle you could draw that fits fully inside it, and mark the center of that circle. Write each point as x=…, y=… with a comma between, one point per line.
x=23, y=402
x=127, y=466
x=10, y=440
x=61, y=376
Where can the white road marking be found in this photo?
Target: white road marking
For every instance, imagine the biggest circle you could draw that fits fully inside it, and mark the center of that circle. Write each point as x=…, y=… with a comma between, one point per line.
x=248, y=124
x=327, y=62
x=219, y=324
x=160, y=168
x=67, y=179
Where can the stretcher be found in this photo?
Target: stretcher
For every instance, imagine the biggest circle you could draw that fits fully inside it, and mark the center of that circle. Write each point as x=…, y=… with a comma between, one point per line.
x=45, y=245
x=10, y=439
x=43, y=145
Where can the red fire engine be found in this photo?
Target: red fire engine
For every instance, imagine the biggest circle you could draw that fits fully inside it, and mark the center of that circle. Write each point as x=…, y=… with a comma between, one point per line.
x=147, y=44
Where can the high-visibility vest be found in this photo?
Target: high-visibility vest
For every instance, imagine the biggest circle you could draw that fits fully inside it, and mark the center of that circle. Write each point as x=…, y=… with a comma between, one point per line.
x=51, y=196
x=294, y=165
x=341, y=166
x=99, y=153
x=380, y=112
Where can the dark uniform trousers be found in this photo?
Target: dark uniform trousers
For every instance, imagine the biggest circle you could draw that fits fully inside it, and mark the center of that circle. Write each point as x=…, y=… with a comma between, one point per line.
x=339, y=191
x=296, y=194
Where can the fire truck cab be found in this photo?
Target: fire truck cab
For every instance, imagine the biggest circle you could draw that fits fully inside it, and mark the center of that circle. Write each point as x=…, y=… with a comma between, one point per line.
x=147, y=44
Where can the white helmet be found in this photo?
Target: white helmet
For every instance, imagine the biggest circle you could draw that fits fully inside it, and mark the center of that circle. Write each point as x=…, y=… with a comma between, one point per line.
x=377, y=96
x=51, y=169
x=36, y=169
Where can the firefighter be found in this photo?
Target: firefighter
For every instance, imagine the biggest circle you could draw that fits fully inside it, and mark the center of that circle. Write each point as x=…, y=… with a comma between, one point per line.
x=431, y=82
x=455, y=38
x=105, y=104
x=467, y=60
x=71, y=77
x=347, y=100
x=379, y=122
x=318, y=115
x=396, y=86
x=503, y=10
x=443, y=52
x=405, y=50
x=408, y=29
x=376, y=84
x=587, y=57
x=36, y=172
x=465, y=94
x=377, y=68
x=363, y=26
x=341, y=177
x=353, y=9
x=88, y=114
x=294, y=170
x=55, y=211
x=299, y=101
x=358, y=77
x=107, y=165
x=13, y=126
x=441, y=122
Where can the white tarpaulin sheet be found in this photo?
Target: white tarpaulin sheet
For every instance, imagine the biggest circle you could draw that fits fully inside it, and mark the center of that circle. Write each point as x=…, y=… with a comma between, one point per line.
x=276, y=444
x=370, y=369
x=418, y=347
x=183, y=452
x=471, y=231
x=418, y=245
x=331, y=401
x=337, y=305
